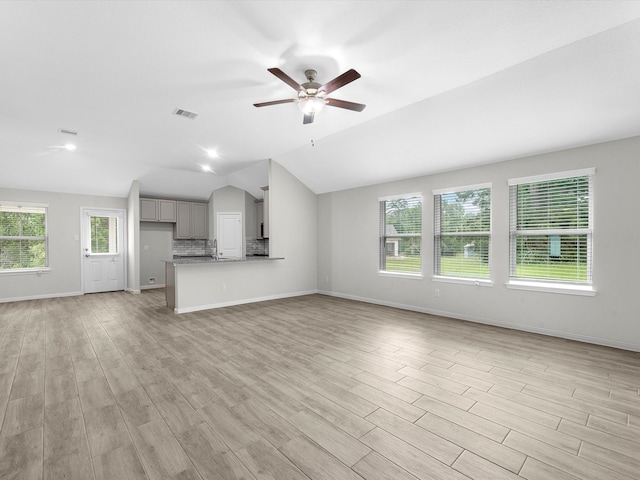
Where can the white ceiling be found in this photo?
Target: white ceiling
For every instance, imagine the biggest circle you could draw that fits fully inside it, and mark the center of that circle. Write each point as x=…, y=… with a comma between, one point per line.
x=447, y=85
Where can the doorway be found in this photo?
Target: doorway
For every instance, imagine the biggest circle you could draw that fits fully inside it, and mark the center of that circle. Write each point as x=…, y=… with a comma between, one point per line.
x=229, y=234
x=103, y=250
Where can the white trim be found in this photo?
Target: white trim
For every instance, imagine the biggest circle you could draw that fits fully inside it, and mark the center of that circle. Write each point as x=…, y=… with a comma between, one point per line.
x=130, y=290
x=151, y=287
x=124, y=244
x=40, y=297
x=478, y=282
x=552, y=176
x=24, y=204
x=243, y=301
x=411, y=276
x=564, y=288
x=469, y=318
x=25, y=271
x=390, y=198
x=442, y=191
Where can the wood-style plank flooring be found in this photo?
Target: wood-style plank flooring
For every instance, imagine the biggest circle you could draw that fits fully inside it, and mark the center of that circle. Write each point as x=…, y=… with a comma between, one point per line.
x=116, y=386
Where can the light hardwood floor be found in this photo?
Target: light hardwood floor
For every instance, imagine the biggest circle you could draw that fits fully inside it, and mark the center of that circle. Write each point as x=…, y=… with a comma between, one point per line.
x=115, y=386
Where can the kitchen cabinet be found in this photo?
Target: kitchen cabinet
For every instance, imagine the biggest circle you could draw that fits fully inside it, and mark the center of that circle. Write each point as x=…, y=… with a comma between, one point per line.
x=191, y=220
x=265, y=213
x=259, y=218
x=157, y=210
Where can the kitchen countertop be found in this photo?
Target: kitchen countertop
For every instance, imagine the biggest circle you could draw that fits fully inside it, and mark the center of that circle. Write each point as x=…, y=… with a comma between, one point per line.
x=199, y=260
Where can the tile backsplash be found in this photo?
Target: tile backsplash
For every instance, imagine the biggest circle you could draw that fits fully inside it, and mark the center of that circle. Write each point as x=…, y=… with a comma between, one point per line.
x=253, y=246
x=257, y=246
x=192, y=247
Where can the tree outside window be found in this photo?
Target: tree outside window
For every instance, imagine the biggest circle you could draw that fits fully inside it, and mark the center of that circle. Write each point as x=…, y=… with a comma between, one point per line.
x=401, y=234
x=23, y=237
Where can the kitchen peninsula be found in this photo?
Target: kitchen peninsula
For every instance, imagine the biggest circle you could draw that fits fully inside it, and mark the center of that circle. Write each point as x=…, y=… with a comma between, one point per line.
x=203, y=282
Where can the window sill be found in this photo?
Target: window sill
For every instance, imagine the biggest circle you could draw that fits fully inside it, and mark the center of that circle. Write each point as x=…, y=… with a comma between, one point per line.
x=478, y=282
x=412, y=276
x=25, y=271
x=563, y=288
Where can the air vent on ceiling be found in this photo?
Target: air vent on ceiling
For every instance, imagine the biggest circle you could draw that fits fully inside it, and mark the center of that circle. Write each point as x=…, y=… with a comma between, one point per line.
x=68, y=132
x=185, y=113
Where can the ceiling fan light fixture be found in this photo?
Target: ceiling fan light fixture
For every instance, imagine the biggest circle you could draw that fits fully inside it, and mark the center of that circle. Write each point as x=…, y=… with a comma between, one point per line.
x=311, y=104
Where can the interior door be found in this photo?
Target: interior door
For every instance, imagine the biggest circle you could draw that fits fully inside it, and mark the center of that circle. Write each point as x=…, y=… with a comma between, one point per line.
x=103, y=250
x=230, y=234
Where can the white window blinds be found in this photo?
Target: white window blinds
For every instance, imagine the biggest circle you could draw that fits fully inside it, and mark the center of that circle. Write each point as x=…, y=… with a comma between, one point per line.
x=462, y=232
x=401, y=234
x=23, y=237
x=551, y=228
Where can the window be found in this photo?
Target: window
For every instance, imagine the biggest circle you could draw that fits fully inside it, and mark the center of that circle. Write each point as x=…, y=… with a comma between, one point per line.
x=462, y=232
x=401, y=234
x=551, y=227
x=23, y=237
x=104, y=234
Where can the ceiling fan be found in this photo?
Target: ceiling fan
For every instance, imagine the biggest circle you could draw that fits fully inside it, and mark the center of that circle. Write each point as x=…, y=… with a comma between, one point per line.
x=312, y=96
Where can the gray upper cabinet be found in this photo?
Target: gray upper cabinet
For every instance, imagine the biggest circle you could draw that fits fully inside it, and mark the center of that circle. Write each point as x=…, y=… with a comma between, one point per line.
x=148, y=210
x=157, y=210
x=191, y=221
x=167, y=211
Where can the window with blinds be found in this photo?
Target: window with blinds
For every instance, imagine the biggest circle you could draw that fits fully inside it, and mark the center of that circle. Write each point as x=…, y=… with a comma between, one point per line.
x=462, y=232
x=104, y=235
x=23, y=237
x=551, y=227
x=401, y=234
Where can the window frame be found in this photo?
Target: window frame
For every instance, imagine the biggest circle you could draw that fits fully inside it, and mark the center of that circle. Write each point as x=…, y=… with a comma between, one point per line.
x=437, y=234
x=45, y=238
x=551, y=285
x=382, y=247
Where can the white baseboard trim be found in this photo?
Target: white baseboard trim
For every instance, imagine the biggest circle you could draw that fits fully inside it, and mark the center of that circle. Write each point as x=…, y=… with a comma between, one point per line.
x=244, y=301
x=469, y=318
x=132, y=290
x=150, y=287
x=40, y=297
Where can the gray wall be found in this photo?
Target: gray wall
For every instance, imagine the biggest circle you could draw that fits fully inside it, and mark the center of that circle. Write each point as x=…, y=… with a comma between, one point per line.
x=65, y=236
x=348, y=250
x=156, y=245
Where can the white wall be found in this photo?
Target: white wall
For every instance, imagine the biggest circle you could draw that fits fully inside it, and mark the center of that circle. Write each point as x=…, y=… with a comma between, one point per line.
x=65, y=250
x=133, y=238
x=348, y=240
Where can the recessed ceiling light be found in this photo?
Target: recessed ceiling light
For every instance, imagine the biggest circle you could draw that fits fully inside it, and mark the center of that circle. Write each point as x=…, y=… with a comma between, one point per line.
x=70, y=146
x=206, y=168
x=212, y=153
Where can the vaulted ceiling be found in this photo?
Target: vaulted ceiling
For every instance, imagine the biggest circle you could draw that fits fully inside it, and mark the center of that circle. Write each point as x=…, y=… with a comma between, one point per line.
x=447, y=85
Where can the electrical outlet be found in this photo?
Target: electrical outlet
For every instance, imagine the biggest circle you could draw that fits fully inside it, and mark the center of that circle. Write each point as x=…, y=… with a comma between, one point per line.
x=152, y=280
x=437, y=293
x=223, y=287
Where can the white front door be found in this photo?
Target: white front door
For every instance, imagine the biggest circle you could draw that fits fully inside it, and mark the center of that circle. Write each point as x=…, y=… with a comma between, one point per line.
x=103, y=250
x=230, y=235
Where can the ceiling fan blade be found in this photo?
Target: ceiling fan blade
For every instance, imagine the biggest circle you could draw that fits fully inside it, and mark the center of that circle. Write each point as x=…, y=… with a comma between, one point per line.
x=347, y=77
x=334, y=102
x=287, y=79
x=274, y=102
x=308, y=118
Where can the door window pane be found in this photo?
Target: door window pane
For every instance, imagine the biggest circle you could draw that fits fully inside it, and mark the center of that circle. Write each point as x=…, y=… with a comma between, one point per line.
x=104, y=235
